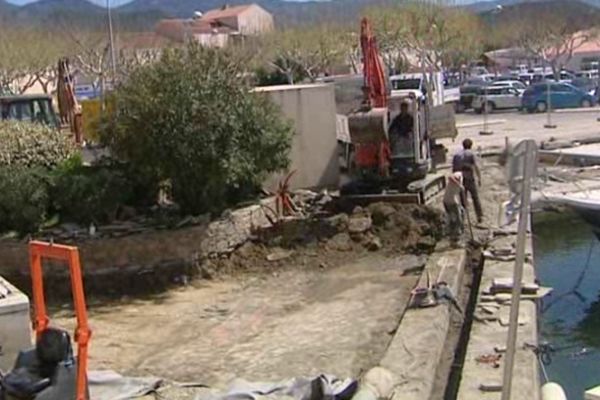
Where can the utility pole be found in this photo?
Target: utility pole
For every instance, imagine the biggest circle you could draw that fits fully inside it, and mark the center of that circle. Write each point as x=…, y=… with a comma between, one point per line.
x=526, y=151
x=549, y=124
x=485, y=106
x=111, y=42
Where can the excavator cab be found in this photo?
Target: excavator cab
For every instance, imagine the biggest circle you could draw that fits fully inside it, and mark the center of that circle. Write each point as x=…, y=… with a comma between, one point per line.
x=50, y=371
x=32, y=108
x=410, y=154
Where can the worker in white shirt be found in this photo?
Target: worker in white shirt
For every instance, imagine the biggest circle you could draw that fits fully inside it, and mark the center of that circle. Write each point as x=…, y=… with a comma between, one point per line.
x=453, y=206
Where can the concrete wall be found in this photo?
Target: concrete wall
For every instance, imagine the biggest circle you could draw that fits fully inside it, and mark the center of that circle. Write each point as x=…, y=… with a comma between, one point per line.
x=314, y=154
x=212, y=39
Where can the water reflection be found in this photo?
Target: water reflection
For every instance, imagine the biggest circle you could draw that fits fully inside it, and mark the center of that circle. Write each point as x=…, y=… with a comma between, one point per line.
x=567, y=258
x=589, y=327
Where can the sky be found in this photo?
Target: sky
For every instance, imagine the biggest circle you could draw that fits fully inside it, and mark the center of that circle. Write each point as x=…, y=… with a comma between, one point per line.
x=114, y=3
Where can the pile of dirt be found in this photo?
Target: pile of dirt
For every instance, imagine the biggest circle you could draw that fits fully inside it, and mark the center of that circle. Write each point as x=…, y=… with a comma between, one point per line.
x=329, y=239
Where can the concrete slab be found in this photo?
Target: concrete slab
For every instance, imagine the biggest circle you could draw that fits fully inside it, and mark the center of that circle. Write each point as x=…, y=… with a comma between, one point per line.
x=295, y=322
x=519, y=126
x=487, y=335
x=415, y=351
x=593, y=394
x=15, y=328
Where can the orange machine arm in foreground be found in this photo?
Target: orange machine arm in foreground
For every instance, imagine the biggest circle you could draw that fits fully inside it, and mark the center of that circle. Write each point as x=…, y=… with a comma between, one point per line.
x=38, y=251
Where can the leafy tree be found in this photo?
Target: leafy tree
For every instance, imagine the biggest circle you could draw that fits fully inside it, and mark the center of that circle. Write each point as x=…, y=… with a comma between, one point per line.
x=191, y=119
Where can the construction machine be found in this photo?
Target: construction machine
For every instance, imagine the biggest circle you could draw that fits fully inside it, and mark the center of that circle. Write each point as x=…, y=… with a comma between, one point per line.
x=50, y=370
x=68, y=106
x=398, y=170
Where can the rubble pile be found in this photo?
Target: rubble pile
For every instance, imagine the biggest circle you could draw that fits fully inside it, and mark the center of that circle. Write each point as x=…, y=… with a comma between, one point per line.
x=324, y=233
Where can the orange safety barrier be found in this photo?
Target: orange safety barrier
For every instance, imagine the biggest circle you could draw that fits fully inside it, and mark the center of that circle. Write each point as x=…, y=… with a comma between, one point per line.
x=70, y=254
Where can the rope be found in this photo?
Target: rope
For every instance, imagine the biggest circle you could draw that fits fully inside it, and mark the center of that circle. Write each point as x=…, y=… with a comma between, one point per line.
x=578, y=282
x=543, y=368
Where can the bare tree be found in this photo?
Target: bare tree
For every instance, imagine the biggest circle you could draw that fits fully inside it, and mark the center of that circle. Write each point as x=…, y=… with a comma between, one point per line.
x=392, y=32
x=28, y=57
x=315, y=51
x=551, y=37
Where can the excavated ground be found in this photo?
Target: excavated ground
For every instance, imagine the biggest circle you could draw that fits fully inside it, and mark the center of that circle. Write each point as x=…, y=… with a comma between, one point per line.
x=322, y=295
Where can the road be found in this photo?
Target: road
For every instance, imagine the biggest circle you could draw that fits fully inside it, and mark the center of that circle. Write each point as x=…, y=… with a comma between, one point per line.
x=570, y=124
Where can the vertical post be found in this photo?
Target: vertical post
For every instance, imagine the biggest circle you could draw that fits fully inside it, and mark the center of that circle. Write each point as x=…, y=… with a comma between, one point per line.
x=37, y=280
x=528, y=166
x=549, y=124
x=113, y=60
x=485, y=130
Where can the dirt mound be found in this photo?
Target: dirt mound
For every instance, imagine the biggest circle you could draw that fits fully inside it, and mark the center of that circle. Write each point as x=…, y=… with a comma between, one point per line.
x=324, y=241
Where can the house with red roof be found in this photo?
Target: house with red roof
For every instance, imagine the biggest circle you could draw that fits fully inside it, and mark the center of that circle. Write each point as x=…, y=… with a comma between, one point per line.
x=217, y=28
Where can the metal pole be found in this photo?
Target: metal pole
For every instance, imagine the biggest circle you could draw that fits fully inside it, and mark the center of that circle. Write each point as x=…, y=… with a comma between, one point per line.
x=113, y=60
x=528, y=166
x=549, y=124
x=485, y=130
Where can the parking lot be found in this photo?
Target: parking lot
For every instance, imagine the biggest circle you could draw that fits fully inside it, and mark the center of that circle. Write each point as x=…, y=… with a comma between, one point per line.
x=570, y=124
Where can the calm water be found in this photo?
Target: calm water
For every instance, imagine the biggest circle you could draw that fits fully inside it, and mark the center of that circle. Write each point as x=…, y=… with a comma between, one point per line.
x=567, y=258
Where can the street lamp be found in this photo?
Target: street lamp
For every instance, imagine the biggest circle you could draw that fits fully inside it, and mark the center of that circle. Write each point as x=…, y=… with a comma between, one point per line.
x=111, y=42
x=486, y=130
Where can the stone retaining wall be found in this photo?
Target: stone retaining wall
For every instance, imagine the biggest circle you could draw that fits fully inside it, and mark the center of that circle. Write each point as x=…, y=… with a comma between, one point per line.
x=139, y=262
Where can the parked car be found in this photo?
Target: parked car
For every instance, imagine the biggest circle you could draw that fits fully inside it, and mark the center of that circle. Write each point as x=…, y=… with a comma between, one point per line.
x=497, y=98
x=520, y=86
x=565, y=77
x=585, y=84
x=562, y=95
x=468, y=92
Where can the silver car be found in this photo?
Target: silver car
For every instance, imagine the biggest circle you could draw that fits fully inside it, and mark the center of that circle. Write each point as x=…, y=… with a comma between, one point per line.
x=497, y=98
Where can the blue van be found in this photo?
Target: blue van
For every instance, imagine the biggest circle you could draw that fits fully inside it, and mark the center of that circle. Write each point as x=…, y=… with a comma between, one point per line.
x=562, y=95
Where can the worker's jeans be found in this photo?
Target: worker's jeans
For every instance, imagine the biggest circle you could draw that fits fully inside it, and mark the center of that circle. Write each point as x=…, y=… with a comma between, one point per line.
x=471, y=187
x=455, y=220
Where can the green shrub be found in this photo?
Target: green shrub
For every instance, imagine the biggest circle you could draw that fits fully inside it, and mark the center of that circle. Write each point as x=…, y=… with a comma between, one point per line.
x=89, y=194
x=29, y=144
x=191, y=119
x=23, y=198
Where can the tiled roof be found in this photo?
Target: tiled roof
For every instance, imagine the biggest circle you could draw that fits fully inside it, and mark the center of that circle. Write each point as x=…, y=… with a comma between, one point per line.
x=225, y=12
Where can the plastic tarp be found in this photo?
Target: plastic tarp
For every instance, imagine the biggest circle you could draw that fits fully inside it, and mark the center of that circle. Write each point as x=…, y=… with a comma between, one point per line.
x=109, y=385
x=322, y=387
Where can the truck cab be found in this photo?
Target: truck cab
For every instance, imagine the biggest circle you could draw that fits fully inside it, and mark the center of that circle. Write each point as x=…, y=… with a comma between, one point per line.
x=404, y=85
x=32, y=108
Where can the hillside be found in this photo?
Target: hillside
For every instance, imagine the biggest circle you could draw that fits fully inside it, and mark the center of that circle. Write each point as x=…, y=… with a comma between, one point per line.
x=286, y=12
x=75, y=13
x=143, y=14
x=576, y=11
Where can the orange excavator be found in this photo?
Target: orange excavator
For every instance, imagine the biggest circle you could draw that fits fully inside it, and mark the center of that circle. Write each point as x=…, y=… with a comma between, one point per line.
x=373, y=151
x=68, y=106
x=385, y=170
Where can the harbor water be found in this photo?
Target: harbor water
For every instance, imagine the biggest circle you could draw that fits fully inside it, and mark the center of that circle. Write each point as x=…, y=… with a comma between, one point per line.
x=567, y=258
